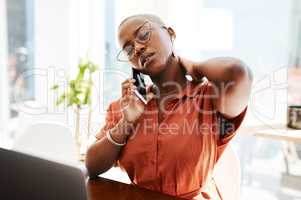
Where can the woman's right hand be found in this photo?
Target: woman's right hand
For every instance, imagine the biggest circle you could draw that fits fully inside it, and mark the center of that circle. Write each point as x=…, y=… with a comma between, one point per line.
x=132, y=107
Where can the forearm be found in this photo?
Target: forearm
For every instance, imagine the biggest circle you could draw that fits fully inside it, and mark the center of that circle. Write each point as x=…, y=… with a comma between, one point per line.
x=223, y=70
x=102, y=154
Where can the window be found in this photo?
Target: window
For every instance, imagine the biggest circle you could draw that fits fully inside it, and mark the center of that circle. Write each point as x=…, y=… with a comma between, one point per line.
x=115, y=72
x=20, y=51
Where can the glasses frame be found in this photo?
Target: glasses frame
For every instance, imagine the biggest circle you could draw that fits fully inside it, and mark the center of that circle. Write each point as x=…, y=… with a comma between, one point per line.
x=136, y=40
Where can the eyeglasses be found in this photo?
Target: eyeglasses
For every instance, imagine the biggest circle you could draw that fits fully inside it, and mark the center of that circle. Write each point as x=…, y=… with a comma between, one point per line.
x=143, y=35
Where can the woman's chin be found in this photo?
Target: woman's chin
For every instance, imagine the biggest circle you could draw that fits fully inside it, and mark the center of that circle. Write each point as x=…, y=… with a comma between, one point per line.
x=154, y=69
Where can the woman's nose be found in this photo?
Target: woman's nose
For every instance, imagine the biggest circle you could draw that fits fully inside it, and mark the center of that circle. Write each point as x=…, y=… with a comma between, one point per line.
x=139, y=48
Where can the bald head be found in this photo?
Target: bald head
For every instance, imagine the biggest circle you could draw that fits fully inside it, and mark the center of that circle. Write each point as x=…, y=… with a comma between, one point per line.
x=150, y=17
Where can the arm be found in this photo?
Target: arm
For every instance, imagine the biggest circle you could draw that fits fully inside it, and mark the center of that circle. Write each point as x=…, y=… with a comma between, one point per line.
x=102, y=154
x=232, y=79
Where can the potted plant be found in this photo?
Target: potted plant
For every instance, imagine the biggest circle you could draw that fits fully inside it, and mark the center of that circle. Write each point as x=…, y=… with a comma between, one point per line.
x=78, y=95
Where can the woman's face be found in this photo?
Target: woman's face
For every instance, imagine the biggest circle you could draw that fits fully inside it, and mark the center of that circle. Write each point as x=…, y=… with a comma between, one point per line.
x=150, y=57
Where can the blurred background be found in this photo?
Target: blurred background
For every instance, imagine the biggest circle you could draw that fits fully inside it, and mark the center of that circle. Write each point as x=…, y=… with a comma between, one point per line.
x=41, y=42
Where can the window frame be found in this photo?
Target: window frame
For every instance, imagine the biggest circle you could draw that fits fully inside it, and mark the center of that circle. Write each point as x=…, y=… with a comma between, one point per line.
x=4, y=102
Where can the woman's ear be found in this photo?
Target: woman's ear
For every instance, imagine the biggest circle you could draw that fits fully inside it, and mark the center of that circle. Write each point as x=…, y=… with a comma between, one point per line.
x=172, y=33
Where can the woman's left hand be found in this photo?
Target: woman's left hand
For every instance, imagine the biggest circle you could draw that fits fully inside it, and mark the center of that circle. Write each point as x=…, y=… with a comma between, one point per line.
x=191, y=68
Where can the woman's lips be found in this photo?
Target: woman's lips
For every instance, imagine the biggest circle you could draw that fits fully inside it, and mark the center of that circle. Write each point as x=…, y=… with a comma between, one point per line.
x=146, y=60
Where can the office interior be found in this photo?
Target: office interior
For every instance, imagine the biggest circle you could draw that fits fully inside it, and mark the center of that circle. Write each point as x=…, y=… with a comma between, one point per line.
x=42, y=42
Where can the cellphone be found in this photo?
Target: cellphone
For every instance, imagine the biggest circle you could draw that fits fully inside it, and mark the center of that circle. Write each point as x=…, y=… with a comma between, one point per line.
x=140, y=92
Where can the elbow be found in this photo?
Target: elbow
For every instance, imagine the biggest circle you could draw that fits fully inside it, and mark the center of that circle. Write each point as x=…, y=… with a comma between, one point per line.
x=240, y=71
x=90, y=166
x=91, y=173
x=93, y=165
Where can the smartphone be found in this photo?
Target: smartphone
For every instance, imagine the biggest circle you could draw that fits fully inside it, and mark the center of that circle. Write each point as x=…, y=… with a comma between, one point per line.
x=140, y=92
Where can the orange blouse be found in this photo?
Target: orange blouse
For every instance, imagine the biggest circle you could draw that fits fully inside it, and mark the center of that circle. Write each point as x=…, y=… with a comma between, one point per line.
x=176, y=156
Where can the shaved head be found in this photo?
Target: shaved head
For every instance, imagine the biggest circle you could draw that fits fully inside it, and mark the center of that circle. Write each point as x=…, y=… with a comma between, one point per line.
x=150, y=17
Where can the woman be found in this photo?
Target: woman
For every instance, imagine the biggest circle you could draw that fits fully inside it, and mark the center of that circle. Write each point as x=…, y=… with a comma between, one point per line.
x=172, y=143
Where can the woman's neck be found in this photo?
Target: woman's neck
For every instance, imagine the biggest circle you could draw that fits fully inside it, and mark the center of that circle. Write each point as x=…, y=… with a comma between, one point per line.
x=172, y=78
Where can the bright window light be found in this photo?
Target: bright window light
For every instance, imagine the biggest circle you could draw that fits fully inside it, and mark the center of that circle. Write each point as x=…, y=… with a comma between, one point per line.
x=216, y=29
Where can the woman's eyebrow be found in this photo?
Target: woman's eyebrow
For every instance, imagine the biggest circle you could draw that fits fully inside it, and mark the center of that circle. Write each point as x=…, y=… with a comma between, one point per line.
x=135, y=33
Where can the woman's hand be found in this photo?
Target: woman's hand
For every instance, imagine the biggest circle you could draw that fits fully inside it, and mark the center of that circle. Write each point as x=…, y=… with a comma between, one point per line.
x=132, y=107
x=232, y=77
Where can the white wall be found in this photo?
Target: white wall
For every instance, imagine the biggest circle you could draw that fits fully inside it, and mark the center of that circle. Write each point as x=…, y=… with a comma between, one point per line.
x=51, y=33
x=261, y=32
x=295, y=24
x=261, y=37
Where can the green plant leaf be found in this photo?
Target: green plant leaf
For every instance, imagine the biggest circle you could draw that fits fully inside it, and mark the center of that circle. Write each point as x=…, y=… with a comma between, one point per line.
x=76, y=100
x=79, y=90
x=54, y=87
x=87, y=98
x=61, y=99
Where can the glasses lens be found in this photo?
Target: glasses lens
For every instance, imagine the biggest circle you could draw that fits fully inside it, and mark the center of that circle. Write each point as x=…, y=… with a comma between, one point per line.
x=144, y=33
x=128, y=50
x=143, y=36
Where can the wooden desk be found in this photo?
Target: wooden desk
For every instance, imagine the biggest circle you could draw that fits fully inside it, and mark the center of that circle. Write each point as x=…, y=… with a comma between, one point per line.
x=283, y=134
x=288, y=136
x=275, y=131
x=102, y=188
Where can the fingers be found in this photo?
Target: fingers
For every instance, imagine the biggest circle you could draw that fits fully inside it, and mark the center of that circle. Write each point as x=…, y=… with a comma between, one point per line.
x=128, y=100
x=149, y=96
x=127, y=86
x=149, y=89
x=128, y=81
x=128, y=95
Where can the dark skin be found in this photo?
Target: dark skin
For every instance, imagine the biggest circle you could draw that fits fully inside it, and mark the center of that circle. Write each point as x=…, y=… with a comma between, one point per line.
x=231, y=77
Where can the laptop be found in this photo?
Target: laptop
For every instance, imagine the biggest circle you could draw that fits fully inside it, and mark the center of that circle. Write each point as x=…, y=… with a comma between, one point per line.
x=27, y=177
